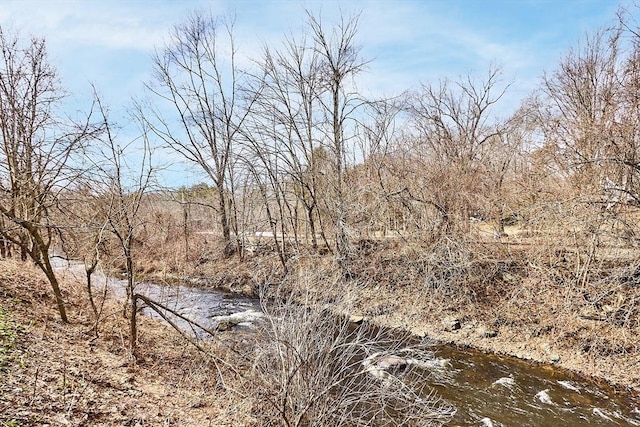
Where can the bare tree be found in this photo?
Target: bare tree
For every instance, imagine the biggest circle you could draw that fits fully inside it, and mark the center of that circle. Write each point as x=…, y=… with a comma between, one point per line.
x=82, y=236
x=302, y=126
x=37, y=151
x=456, y=136
x=378, y=141
x=126, y=174
x=284, y=142
x=587, y=112
x=340, y=63
x=285, y=126
x=197, y=75
x=578, y=108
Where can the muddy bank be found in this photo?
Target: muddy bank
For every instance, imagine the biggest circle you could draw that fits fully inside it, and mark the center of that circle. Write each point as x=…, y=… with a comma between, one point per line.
x=503, y=302
x=525, y=317
x=621, y=371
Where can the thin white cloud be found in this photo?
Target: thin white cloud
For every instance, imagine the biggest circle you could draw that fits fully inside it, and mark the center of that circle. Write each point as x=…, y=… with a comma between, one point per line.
x=102, y=24
x=111, y=42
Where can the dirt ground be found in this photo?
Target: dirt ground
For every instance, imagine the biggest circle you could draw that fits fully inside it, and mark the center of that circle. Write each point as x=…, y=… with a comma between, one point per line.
x=62, y=374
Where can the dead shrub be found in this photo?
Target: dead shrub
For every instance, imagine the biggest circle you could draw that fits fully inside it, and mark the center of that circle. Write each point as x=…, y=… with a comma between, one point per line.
x=309, y=370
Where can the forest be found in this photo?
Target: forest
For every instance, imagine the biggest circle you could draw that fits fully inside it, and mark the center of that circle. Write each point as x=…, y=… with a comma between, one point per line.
x=439, y=212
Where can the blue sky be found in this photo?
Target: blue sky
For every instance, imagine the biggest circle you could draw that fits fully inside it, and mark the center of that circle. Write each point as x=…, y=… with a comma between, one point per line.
x=110, y=43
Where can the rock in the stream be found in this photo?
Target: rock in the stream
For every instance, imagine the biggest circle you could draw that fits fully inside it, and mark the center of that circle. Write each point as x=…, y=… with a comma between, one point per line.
x=392, y=361
x=377, y=364
x=224, y=323
x=385, y=365
x=451, y=324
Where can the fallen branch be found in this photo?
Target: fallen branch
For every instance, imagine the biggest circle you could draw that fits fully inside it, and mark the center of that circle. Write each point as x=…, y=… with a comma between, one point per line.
x=157, y=307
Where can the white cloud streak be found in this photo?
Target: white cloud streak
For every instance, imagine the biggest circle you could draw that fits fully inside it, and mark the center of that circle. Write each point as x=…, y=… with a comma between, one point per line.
x=408, y=42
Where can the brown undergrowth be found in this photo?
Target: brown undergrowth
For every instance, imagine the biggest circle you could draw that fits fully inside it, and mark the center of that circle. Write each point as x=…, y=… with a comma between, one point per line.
x=547, y=301
x=62, y=374
x=512, y=299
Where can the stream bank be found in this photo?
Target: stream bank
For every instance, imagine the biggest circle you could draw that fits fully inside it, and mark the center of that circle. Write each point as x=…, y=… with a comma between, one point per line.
x=621, y=372
x=485, y=388
x=526, y=324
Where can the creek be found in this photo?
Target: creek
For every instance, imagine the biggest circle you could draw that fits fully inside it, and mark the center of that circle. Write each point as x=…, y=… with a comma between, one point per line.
x=486, y=390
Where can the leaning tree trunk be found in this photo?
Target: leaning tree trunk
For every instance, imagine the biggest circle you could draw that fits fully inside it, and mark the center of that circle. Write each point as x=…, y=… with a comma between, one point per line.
x=53, y=280
x=40, y=255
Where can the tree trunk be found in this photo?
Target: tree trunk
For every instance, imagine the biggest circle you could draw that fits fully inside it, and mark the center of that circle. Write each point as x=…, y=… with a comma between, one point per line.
x=133, y=326
x=340, y=232
x=312, y=228
x=89, y=272
x=224, y=218
x=53, y=280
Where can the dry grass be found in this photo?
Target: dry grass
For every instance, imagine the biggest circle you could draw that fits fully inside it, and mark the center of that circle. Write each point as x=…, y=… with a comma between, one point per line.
x=63, y=375
x=532, y=293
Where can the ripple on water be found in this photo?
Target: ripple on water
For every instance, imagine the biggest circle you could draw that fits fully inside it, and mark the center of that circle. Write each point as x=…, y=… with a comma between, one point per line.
x=568, y=385
x=505, y=381
x=486, y=422
x=543, y=397
x=599, y=412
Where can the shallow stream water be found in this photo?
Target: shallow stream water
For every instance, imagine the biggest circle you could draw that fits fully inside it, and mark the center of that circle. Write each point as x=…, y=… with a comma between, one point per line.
x=490, y=390
x=486, y=390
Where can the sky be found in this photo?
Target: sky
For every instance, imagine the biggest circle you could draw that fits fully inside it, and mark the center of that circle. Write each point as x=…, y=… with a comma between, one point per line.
x=110, y=43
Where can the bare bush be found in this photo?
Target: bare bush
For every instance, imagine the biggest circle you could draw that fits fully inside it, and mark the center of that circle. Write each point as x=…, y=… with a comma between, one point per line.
x=38, y=151
x=459, y=150
x=313, y=368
